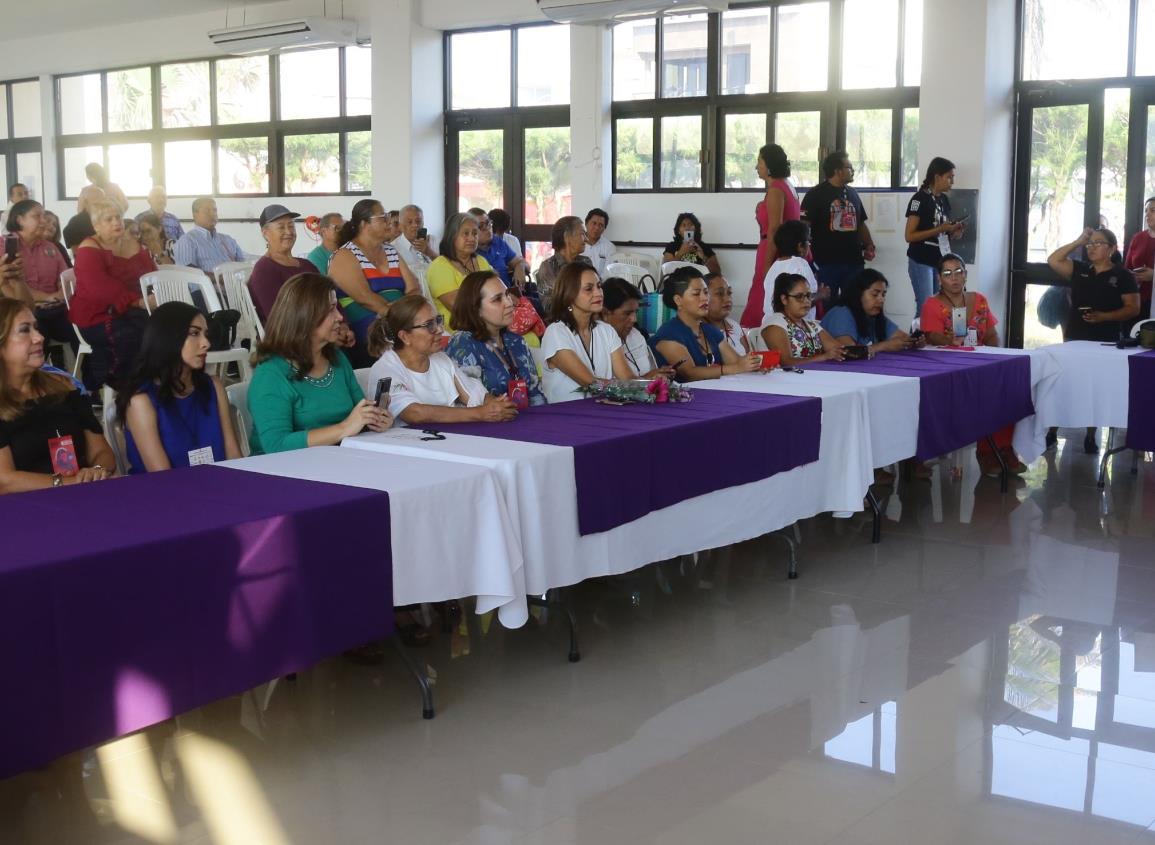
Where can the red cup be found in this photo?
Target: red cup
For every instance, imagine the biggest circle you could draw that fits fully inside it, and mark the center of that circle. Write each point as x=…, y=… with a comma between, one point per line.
x=770, y=359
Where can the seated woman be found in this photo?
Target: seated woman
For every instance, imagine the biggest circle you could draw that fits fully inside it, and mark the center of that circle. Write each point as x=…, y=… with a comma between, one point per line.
x=174, y=414
x=568, y=237
x=858, y=320
x=791, y=245
x=108, y=306
x=620, y=310
x=427, y=386
x=937, y=322
x=687, y=342
x=457, y=260
x=278, y=264
x=367, y=270
x=790, y=330
x=43, y=263
x=154, y=239
x=688, y=245
x=579, y=349
x=54, y=235
x=36, y=407
x=721, y=304
x=303, y=391
x=484, y=343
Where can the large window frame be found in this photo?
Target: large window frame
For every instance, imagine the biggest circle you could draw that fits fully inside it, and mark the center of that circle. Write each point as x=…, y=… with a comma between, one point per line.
x=12, y=145
x=832, y=103
x=275, y=129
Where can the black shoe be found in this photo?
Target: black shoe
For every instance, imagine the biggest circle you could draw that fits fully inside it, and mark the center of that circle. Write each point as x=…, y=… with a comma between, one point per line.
x=1052, y=440
x=1089, y=445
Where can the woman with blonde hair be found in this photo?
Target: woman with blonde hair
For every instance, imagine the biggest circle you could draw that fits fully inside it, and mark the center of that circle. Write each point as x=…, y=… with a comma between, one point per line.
x=303, y=391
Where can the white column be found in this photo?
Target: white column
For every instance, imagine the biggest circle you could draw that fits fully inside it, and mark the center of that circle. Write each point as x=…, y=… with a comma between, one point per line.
x=51, y=191
x=408, y=134
x=966, y=114
x=591, y=54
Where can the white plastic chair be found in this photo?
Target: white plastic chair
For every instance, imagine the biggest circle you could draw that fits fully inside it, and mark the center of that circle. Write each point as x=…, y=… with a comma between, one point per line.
x=114, y=434
x=362, y=376
x=649, y=263
x=233, y=279
x=669, y=267
x=172, y=283
x=754, y=336
x=632, y=273
x=68, y=289
x=242, y=420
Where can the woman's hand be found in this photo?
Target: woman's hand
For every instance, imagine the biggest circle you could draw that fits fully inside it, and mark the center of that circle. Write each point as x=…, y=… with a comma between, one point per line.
x=668, y=373
x=686, y=249
x=838, y=353
x=751, y=363
x=1092, y=317
x=496, y=409
x=87, y=474
x=366, y=415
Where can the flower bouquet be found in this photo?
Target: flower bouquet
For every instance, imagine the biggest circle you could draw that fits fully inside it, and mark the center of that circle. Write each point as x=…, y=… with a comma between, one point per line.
x=637, y=391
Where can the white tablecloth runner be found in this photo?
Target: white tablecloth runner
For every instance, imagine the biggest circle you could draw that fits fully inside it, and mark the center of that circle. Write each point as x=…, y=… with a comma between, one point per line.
x=1089, y=387
x=452, y=533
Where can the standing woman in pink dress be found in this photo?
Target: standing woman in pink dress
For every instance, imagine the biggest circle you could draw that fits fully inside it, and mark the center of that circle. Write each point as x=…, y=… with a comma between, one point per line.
x=779, y=205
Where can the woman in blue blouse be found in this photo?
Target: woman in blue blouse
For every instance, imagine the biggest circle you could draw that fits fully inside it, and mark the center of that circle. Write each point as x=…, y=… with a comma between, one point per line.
x=483, y=345
x=687, y=342
x=858, y=318
x=174, y=414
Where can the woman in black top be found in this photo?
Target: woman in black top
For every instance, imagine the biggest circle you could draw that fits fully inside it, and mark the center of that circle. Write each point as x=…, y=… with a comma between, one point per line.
x=687, y=244
x=1104, y=297
x=929, y=229
x=38, y=407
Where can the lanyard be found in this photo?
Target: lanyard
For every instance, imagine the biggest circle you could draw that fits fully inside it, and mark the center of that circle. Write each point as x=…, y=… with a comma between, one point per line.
x=506, y=357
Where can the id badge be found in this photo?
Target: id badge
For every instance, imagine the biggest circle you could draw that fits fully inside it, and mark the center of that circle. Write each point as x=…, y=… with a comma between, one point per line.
x=843, y=216
x=518, y=392
x=958, y=319
x=63, y=453
x=944, y=243
x=201, y=456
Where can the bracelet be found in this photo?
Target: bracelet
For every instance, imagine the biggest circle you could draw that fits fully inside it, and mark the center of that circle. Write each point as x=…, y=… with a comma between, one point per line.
x=57, y=480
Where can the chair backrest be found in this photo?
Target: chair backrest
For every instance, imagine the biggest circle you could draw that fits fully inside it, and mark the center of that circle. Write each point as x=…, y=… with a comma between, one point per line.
x=362, y=376
x=68, y=284
x=227, y=268
x=114, y=434
x=755, y=338
x=173, y=283
x=669, y=267
x=233, y=278
x=242, y=420
x=632, y=273
x=650, y=263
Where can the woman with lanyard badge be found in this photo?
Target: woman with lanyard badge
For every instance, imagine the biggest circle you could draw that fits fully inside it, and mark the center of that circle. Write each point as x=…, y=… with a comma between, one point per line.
x=620, y=310
x=483, y=344
x=929, y=229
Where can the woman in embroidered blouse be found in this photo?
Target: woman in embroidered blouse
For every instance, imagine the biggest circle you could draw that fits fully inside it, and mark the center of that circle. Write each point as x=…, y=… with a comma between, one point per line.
x=457, y=260
x=936, y=319
x=721, y=304
x=483, y=344
x=368, y=271
x=303, y=391
x=174, y=414
x=427, y=386
x=789, y=330
x=687, y=342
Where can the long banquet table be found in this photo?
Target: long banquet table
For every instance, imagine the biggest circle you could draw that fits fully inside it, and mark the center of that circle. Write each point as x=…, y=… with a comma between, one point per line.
x=1141, y=402
x=127, y=602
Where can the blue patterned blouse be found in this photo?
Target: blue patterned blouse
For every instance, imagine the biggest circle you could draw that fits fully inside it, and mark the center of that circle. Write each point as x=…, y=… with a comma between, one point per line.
x=494, y=368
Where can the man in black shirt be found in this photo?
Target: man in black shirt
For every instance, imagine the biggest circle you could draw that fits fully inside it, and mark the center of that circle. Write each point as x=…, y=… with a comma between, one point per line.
x=837, y=221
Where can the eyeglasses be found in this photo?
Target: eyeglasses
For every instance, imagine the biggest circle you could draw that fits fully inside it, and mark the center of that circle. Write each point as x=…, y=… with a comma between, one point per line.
x=378, y=217
x=946, y=274
x=800, y=297
x=429, y=325
x=483, y=226
x=1097, y=243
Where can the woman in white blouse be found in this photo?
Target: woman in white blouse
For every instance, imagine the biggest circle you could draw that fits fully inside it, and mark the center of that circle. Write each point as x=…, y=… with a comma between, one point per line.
x=578, y=347
x=427, y=386
x=620, y=310
x=721, y=304
x=788, y=329
x=792, y=242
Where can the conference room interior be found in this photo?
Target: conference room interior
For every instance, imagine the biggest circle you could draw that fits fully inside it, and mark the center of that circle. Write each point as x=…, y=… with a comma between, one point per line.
x=984, y=674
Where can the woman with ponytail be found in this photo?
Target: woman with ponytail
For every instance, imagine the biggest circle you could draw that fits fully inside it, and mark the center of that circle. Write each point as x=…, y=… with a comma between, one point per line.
x=929, y=229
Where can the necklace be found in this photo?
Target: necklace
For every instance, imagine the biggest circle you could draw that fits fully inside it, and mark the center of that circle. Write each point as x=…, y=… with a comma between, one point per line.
x=949, y=299
x=323, y=381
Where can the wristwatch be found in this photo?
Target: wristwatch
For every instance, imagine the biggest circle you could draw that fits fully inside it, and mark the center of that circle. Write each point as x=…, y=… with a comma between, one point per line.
x=57, y=480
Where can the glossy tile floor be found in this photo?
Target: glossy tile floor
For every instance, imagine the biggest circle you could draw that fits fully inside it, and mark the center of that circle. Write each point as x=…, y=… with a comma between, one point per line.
x=986, y=675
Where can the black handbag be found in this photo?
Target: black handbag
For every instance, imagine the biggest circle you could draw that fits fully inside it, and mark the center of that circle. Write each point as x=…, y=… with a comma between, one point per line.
x=222, y=330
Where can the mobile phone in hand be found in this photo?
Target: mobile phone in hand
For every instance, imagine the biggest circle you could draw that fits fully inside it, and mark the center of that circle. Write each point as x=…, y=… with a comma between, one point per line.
x=11, y=246
x=422, y=233
x=381, y=396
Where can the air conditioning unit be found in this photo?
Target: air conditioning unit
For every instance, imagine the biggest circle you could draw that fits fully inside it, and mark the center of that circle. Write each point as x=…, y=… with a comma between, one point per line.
x=598, y=11
x=278, y=36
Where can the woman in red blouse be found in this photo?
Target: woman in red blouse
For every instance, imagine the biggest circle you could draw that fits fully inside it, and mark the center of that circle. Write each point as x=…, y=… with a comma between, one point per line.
x=108, y=307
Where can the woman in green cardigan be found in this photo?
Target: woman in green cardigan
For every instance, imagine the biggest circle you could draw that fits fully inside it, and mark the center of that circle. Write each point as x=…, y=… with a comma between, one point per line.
x=303, y=391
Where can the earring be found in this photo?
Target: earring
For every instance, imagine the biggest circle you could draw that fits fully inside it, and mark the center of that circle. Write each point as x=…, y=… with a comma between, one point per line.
x=570, y=309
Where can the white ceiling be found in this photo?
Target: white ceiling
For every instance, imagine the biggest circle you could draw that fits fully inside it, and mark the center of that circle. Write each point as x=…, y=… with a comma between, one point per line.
x=24, y=20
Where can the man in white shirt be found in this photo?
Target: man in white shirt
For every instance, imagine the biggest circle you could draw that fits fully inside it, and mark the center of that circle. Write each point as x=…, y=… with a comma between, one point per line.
x=598, y=247
x=413, y=243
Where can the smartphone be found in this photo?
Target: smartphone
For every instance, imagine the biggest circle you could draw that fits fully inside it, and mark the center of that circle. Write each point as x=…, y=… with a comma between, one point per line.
x=962, y=219
x=680, y=363
x=381, y=396
x=958, y=319
x=687, y=237
x=856, y=353
x=422, y=233
x=11, y=247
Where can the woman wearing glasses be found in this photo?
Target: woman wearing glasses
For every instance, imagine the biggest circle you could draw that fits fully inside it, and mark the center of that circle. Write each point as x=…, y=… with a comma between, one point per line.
x=303, y=391
x=687, y=342
x=427, y=387
x=789, y=328
x=937, y=318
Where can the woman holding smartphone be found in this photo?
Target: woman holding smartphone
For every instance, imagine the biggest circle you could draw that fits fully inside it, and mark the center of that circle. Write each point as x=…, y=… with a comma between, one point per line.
x=929, y=228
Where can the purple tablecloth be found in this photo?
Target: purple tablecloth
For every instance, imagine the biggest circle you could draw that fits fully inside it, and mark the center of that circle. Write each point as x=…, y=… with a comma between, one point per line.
x=127, y=602
x=630, y=460
x=963, y=396
x=1141, y=402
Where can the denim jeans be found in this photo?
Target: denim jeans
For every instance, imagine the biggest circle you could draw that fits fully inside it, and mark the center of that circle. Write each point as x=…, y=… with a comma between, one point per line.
x=922, y=280
x=835, y=276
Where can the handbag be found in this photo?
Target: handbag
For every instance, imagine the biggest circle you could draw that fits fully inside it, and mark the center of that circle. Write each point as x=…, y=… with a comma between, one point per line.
x=652, y=311
x=222, y=329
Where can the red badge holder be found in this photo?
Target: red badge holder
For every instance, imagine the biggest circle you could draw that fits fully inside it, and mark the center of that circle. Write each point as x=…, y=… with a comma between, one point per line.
x=518, y=392
x=63, y=454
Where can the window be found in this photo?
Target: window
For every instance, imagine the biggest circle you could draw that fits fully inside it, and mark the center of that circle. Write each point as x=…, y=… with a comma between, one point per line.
x=206, y=126
x=711, y=88
x=543, y=66
x=1056, y=34
x=20, y=135
x=480, y=63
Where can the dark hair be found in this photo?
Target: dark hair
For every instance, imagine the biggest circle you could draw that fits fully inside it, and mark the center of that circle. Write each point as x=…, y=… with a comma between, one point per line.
x=362, y=213
x=782, y=284
x=777, y=164
x=302, y=304
x=561, y=228
x=565, y=290
x=938, y=166
x=950, y=256
x=1148, y=201
x=159, y=361
x=96, y=173
x=77, y=229
x=52, y=216
x=477, y=212
x=597, y=212
x=833, y=162
x=709, y=277
x=1107, y=234
x=676, y=283
x=693, y=218
x=152, y=220
x=385, y=332
x=466, y=312
x=616, y=291
x=500, y=219
x=19, y=210
x=452, y=229
x=789, y=235
x=852, y=299
x=14, y=186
